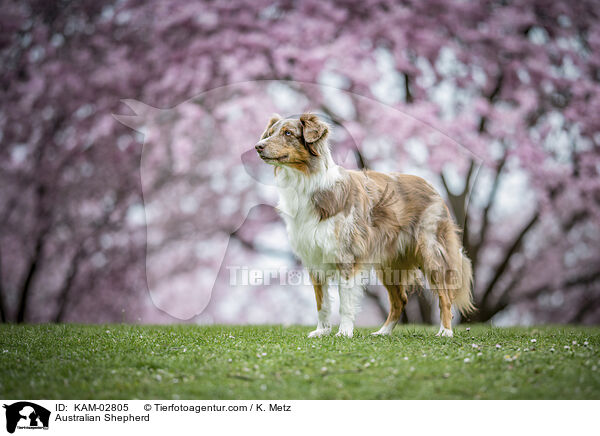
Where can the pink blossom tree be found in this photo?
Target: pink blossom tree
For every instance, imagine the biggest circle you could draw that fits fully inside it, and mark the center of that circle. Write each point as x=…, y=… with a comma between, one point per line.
x=492, y=102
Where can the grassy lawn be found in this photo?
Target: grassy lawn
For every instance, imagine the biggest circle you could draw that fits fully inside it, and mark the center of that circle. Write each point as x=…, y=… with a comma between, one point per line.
x=272, y=362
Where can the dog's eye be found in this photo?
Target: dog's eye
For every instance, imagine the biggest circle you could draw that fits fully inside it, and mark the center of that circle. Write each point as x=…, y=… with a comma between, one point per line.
x=288, y=133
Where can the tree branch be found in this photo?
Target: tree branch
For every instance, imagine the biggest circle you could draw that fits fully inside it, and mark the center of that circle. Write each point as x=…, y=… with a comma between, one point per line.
x=65, y=291
x=584, y=279
x=589, y=305
x=409, y=96
x=474, y=252
x=424, y=307
x=270, y=251
x=375, y=298
x=485, y=313
x=513, y=249
x=458, y=203
x=496, y=91
x=491, y=97
x=29, y=276
x=488, y=311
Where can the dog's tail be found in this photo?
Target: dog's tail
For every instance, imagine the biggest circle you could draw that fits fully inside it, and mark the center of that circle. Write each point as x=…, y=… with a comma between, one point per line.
x=463, y=297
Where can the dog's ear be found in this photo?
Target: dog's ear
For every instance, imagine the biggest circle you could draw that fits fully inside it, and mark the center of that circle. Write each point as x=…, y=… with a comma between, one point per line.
x=273, y=120
x=313, y=129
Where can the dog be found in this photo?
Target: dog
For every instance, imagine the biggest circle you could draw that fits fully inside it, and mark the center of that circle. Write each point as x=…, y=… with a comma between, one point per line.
x=344, y=223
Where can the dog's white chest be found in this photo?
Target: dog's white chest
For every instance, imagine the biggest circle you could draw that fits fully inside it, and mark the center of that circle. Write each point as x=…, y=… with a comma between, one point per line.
x=313, y=241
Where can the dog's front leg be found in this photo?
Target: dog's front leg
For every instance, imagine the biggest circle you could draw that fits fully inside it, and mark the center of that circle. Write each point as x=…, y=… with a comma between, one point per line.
x=350, y=295
x=323, y=310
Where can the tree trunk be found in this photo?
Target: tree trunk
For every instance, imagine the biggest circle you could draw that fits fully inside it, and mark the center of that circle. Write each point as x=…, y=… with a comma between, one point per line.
x=26, y=288
x=65, y=292
x=2, y=309
x=375, y=298
x=424, y=307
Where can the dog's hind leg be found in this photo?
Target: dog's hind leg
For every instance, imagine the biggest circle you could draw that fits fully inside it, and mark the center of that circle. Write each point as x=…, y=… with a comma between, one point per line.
x=445, y=313
x=323, y=308
x=436, y=276
x=435, y=270
x=398, y=299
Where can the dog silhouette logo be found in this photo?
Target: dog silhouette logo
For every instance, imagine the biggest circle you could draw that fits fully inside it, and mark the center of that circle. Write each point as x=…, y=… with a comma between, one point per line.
x=26, y=415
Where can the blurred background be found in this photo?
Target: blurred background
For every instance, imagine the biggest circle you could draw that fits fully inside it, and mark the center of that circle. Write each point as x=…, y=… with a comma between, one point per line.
x=141, y=217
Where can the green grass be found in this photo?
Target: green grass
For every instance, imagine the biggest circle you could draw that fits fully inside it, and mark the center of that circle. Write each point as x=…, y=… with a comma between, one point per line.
x=272, y=362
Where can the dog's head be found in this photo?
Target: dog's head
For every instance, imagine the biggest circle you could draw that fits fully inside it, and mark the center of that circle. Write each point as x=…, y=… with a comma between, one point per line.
x=297, y=143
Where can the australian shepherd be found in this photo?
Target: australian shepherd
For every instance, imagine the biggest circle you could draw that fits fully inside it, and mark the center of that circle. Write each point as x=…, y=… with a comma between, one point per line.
x=345, y=223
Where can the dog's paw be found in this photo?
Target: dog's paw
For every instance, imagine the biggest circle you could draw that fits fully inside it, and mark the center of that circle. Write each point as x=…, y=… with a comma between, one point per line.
x=319, y=332
x=444, y=332
x=381, y=332
x=345, y=332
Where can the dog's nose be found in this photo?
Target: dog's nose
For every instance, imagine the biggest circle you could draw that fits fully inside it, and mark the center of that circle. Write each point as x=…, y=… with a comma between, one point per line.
x=259, y=147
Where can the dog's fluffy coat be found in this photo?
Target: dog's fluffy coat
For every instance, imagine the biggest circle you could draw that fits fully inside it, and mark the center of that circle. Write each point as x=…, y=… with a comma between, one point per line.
x=349, y=222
